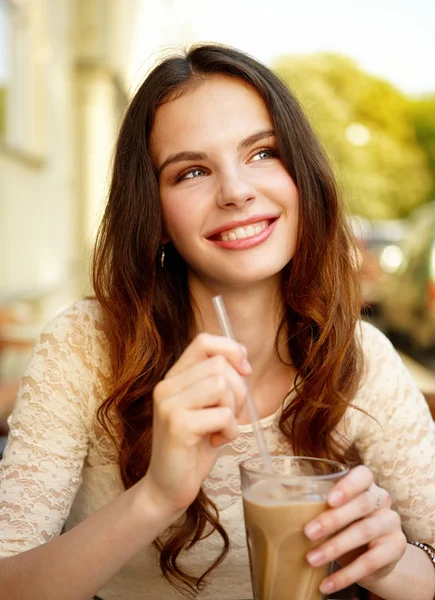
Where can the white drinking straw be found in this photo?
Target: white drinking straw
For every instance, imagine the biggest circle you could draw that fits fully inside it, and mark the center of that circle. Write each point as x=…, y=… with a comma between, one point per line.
x=225, y=325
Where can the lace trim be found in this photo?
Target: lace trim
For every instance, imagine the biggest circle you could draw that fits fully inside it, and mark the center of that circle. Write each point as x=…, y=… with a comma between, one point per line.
x=53, y=463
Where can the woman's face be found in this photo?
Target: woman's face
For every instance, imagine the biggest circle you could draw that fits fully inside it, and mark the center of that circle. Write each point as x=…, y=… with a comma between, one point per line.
x=230, y=207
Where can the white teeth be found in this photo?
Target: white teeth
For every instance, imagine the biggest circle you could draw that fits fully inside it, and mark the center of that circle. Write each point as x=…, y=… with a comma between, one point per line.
x=241, y=233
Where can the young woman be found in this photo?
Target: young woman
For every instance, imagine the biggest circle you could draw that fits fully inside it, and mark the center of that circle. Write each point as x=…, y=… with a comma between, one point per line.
x=131, y=418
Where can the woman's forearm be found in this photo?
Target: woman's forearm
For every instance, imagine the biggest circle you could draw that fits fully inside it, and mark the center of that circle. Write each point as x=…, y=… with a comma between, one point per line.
x=413, y=577
x=76, y=565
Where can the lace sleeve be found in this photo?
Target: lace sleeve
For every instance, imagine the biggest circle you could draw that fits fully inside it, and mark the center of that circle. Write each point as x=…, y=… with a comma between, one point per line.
x=397, y=440
x=49, y=432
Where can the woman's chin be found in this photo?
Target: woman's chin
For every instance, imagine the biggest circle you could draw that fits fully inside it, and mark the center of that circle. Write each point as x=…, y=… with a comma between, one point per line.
x=242, y=279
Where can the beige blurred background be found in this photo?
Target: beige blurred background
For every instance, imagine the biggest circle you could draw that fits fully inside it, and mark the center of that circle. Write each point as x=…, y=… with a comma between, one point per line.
x=363, y=71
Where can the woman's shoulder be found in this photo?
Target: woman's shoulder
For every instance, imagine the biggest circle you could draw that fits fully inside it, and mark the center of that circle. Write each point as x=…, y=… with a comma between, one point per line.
x=373, y=340
x=81, y=313
x=84, y=316
x=78, y=331
x=380, y=359
x=385, y=377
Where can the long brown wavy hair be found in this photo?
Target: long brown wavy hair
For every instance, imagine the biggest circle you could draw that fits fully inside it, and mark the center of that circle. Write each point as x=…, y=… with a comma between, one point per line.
x=147, y=309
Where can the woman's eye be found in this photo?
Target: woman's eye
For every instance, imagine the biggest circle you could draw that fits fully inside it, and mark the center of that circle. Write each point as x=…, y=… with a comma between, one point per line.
x=264, y=154
x=191, y=174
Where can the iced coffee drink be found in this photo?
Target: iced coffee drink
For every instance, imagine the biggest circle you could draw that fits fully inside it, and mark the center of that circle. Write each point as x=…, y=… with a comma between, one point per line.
x=277, y=507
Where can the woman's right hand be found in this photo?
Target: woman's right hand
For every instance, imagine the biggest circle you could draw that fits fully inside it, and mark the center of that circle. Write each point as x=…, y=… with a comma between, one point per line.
x=196, y=407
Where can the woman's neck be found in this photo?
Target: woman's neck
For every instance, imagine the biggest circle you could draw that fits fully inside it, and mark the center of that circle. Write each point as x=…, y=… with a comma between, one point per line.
x=255, y=314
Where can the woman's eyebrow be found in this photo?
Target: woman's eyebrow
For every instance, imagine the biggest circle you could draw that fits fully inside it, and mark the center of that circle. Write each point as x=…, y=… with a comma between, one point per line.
x=180, y=157
x=256, y=137
x=187, y=155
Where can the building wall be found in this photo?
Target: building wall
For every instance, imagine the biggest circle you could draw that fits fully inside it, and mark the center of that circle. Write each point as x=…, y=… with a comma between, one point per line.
x=37, y=170
x=55, y=159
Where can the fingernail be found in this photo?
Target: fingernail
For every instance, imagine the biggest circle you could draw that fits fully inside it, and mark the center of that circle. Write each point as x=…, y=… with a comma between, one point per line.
x=335, y=498
x=246, y=366
x=327, y=587
x=313, y=530
x=315, y=557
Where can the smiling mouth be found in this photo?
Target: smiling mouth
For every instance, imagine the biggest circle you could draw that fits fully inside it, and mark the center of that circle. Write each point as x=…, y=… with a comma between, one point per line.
x=242, y=233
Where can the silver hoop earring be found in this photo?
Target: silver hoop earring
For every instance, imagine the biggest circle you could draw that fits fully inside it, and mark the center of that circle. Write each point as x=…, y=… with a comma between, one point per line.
x=162, y=257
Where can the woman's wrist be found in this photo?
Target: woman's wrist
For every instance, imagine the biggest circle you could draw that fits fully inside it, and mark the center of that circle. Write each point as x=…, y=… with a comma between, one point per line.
x=412, y=577
x=149, y=503
x=430, y=553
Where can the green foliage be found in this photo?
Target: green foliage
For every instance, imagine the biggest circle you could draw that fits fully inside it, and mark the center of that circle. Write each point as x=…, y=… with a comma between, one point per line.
x=368, y=129
x=2, y=111
x=423, y=118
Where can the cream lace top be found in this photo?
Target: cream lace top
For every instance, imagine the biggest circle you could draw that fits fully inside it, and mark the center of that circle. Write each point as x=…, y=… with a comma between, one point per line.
x=59, y=466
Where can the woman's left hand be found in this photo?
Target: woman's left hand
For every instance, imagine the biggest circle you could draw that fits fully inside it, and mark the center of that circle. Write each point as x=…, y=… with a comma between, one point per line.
x=366, y=535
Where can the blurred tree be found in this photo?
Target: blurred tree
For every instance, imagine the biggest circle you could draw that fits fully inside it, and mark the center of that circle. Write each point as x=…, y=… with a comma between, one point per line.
x=368, y=131
x=423, y=117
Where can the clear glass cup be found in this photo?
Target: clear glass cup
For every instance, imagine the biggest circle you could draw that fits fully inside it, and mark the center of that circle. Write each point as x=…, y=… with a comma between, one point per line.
x=277, y=506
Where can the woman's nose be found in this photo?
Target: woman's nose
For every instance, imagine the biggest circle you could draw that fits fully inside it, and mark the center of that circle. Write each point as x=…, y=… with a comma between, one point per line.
x=235, y=190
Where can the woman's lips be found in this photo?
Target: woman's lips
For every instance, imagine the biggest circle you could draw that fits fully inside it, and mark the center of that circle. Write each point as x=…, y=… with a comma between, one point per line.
x=245, y=244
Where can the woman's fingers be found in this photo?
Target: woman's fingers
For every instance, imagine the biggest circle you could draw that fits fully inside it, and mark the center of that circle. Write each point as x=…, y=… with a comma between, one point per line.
x=216, y=373
x=386, y=551
x=181, y=415
x=215, y=420
x=205, y=346
x=356, y=481
x=205, y=393
x=335, y=519
x=195, y=408
x=363, y=533
x=189, y=427
x=360, y=533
